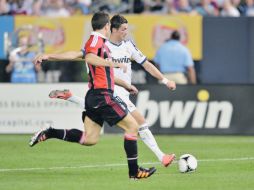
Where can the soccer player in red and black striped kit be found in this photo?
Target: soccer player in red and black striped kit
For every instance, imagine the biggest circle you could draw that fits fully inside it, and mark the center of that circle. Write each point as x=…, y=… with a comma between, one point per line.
x=100, y=104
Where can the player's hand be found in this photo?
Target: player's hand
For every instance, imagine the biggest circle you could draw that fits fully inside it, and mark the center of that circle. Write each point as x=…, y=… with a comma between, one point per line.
x=40, y=58
x=169, y=83
x=133, y=90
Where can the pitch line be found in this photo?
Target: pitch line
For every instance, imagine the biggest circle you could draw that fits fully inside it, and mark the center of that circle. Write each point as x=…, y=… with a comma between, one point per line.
x=119, y=165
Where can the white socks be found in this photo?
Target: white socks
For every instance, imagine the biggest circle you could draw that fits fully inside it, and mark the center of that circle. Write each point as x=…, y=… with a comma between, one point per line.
x=77, y=100
x=148, y=138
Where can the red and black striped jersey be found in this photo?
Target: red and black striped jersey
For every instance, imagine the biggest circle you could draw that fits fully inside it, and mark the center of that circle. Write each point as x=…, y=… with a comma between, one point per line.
x=100, y=77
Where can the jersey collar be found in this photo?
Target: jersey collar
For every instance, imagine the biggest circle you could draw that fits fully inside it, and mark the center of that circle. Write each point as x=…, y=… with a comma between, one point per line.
x=98, y=34
x=116, y=44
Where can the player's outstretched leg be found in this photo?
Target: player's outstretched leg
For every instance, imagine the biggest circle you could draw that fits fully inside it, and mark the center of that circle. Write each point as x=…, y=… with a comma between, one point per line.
x=70, y=135
x=143, y=173
x=148, y=138
x=144, y=132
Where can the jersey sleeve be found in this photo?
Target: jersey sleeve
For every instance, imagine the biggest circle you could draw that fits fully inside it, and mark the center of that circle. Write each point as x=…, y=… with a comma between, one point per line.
x=92, y=45
x=136, y=54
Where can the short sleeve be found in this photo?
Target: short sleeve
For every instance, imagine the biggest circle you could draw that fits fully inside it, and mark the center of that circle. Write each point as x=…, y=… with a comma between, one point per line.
x=136, y=54
x=92, y=45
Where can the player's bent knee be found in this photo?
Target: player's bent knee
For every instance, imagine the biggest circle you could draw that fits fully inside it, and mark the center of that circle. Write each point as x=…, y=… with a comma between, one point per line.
x=132, y=129
x=90, y=141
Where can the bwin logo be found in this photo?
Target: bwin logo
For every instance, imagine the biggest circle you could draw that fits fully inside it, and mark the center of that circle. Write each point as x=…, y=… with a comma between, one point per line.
x=121, y=60
x=203, y=113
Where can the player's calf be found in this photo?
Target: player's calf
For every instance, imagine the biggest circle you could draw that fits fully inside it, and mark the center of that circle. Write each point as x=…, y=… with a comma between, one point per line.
x=70, y=135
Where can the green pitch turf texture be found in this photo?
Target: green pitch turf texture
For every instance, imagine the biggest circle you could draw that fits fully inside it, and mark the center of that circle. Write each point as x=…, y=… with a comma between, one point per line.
x=225, y=163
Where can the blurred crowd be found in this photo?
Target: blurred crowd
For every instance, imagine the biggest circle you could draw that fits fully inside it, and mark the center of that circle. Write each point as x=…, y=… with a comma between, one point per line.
x=66, y=8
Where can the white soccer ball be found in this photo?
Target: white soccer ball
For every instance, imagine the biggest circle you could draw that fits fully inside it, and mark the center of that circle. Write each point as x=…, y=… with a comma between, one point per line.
x=187, y=163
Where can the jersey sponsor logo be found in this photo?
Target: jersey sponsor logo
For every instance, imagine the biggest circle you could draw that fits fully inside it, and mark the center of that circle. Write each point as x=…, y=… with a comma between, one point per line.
x=200, y=114
x=121, y=60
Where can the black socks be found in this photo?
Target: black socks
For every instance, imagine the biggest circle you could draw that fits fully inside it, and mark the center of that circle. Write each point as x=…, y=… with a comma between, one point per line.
x=72, y=135
x=130, y=146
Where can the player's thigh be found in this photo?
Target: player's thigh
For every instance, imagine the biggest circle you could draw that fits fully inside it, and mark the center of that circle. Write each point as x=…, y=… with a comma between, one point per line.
x=129, y=124
x=138, y=117
x=92, y=130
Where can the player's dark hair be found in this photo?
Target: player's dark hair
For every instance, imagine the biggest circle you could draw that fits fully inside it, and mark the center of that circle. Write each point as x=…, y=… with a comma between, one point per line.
x=99, y=20
x=175, y=35
x=116, y=22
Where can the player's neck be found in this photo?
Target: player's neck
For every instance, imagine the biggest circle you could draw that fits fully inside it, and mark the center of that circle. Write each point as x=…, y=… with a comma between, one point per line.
x=102, y=32
x=115, y=40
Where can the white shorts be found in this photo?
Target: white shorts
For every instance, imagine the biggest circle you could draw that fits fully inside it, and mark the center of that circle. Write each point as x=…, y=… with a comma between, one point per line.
x=125, y=96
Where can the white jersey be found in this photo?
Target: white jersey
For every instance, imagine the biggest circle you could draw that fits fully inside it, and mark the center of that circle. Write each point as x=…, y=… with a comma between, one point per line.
x=124, y=53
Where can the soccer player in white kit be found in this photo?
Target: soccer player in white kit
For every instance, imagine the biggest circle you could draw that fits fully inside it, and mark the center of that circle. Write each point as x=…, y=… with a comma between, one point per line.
x=124, y=51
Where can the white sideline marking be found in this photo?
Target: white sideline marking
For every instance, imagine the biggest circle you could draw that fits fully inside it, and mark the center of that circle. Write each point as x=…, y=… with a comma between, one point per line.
x=118, y=165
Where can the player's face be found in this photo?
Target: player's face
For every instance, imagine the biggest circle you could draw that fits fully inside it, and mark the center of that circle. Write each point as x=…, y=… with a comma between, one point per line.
x=122, y=31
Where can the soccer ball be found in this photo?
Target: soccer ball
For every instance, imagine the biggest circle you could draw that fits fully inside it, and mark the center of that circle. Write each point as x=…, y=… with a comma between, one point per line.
x=187, y=163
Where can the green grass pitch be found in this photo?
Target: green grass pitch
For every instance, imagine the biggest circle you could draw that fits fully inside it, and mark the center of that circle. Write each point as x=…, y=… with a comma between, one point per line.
x=225, y=163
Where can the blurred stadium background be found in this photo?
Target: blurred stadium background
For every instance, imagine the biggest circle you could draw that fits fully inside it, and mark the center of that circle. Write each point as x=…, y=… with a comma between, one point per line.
x=188, y=120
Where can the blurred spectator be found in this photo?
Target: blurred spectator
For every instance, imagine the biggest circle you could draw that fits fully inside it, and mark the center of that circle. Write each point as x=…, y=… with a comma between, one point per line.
x=51, y=8
x=112, y=6
x=155, y=6
x=175, y=61
x=240, y=5
x=170, y=7
x=14, y=7
x=65, y=8
x=249, y=7
x=207, y=8
x=183, y=6
x=37, y=7
x=4, y=7
x=79, y=7
x=138, y=6
x=54, y=8
x=228, y=10
x=21, y=67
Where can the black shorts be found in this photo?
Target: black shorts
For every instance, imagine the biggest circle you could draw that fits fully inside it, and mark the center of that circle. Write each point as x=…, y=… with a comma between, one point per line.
x=102, y=106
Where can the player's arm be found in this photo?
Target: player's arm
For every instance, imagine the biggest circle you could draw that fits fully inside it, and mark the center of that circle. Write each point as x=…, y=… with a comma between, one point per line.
x=69, y=55
x=129, y=87
x=95, y=60
x=150, y=68
x=140, y=58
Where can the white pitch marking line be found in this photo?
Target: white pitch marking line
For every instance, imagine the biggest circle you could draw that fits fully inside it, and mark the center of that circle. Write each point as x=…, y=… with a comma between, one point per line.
x=118, y=165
